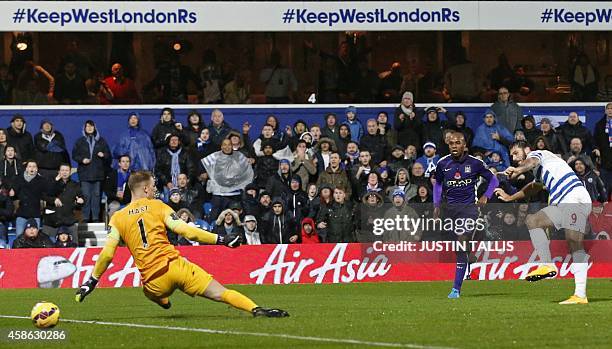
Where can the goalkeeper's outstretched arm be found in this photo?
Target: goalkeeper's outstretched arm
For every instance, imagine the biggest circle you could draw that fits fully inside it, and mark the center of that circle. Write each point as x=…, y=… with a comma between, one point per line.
x=104, y=260
x=193, y=233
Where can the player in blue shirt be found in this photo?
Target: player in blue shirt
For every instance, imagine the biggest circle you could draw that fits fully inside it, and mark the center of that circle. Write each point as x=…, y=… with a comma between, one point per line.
x=456, y=180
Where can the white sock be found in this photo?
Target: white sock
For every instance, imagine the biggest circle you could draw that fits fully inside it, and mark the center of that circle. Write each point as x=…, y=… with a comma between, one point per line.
x=541, y=244
x=580, y=266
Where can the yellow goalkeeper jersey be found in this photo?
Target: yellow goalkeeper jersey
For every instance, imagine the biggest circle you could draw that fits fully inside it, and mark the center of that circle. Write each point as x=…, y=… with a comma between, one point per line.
x=142, y=226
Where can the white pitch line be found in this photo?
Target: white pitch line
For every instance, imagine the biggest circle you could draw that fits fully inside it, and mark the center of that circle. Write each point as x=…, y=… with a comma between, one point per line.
x=241, y=333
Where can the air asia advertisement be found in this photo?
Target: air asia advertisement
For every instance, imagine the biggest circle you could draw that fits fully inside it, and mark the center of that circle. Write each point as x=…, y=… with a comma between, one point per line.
x=287, y=264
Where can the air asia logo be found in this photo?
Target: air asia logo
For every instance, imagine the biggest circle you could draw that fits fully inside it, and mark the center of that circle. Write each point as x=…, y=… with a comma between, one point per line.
x=52, y=270
x=291, y=271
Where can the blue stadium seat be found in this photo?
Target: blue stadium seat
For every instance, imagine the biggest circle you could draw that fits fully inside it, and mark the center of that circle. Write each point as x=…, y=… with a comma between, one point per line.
x=207, y=208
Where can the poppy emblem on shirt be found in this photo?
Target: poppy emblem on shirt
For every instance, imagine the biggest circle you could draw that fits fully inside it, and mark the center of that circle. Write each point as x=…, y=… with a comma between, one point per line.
x=457, y=175
x=467, y=169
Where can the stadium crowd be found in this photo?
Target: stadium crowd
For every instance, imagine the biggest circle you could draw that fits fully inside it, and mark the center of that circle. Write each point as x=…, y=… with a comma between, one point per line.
x=312, y=183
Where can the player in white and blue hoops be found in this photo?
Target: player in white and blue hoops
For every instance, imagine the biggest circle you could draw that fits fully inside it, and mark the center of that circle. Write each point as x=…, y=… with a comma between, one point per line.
x=568, y=209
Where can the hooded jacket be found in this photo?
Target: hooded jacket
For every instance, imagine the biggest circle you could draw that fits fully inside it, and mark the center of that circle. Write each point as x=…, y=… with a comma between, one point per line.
x=593, y=184
x=532, y=133
x=313, y=237
x=252, y=237
x=432, y=130
x=136, y=143
x=603, y=130
x=482, y=138
x=568, y=131
x=220, y=226
x=508, y=115
x=409, y=131
x=468, y=133
x=409, y=189
x=278, y=185
x=96, y=169
x=365, y=217
x=279, y=228
x=50, y=149
x=397, y=235
x=297, y=201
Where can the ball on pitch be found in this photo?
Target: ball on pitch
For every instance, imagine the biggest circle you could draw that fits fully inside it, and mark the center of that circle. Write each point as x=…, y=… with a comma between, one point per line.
x=45, y=315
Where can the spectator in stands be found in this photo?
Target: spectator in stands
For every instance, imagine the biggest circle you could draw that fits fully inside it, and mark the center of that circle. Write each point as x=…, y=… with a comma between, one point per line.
x=3, y=143
x=70, y=85
x=417, y=174
x=584, y=78
x=18, y=137
x=172, y=79
x=315, y=133
x=593, y=184
x=323, y=150
x=63, y=239
x=266, y=166
x=507, y=112
x=296, y=132
x=296, y=199
x=529, y=129
x=433, y=127
x=6, y=86
x=603, y=144
x=375, y=143
x=191, y=194
x=359, y=172
x=386, y=130
x=279, y=80
x=554, y=140
x=573, y=127
x=250, y=200
x=354, y=124
x=167, y=125
x=303, y=164
x=340, y=221
x=229, y=173
x=218, y=128
x=373, y=183
x=136, y=144
x=30, y=189
x=92, y=154
x=407, y=123
x=32, y=237
x=458, y=122
x=11, y=166
x=429, y=159
x=541, y=143
x=331, y=128
x=7, y=210
x=203, y=145
x=34, y=85
x=334, y=175
x=397, y=160
x=117, y=88
x=211, y=78
x=64, y=197
x=344, y=137
x=600, y=221
x=238, y=90
x=265, y=204
x=491, y=136
x=174, y=200
x=278, y=184
x=400, y=208
x=194, y=127
x=279, y=226
x=423, y=201
x=577, y=152
x=351, y=157
x=240, y=143
x=49, y=149
x=321, y=207
x=251, y=234
x=402, y=183
x=309, y=232
x=495, y=161
x=116, y=185
x=172, y=161
x=371, y=207
x=266, y=137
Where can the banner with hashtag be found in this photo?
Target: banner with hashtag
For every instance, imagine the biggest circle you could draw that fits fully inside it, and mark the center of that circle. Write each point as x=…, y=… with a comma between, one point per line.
x=303, y=16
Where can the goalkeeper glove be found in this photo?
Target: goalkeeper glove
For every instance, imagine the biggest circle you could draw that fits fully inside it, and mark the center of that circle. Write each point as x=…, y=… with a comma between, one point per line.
x=86, y=289
x=230, y=240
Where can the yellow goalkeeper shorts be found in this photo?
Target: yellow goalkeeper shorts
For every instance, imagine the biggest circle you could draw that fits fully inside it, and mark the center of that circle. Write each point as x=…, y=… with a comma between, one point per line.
x=181, y=274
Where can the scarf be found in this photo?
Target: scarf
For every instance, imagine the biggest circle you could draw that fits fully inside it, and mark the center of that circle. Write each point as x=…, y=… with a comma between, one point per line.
x=91, y=142
x=406, y=110
x=252, y=237
x=27, y=177
x=176, y=167
x=122, y=179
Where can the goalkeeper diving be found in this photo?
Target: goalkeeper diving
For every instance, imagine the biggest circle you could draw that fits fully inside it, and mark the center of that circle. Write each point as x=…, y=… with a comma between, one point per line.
x=141, y=225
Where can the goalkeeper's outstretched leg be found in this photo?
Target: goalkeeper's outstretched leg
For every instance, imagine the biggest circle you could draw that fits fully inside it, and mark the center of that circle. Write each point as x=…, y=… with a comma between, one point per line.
x=217, y=292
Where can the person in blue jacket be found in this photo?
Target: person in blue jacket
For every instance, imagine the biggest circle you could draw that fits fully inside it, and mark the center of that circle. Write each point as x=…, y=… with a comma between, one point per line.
x=136, y=143
x=492, y=137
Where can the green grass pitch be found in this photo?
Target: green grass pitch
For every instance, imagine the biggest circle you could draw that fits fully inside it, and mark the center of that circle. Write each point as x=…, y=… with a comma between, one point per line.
x=494, y=314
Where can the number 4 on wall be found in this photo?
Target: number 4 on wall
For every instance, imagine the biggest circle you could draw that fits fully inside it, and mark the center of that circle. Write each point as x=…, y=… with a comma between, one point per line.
x=313, y=98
